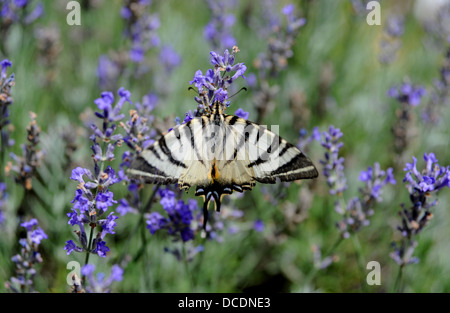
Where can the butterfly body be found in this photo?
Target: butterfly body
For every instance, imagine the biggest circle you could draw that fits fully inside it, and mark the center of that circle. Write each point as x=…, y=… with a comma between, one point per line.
x=220, y=153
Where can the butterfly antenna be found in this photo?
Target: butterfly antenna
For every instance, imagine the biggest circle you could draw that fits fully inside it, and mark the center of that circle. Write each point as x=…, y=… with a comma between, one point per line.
x=243, y=88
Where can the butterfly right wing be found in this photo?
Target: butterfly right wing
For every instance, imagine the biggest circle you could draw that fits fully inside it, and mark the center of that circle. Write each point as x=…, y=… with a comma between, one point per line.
x=263, y=156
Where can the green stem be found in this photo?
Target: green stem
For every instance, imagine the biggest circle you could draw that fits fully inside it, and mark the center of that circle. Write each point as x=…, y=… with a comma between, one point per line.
x=186, y=265
x=88, y=253
x=359, y=254
x=93, y=226
x=398, y=281
x=144, y=253
x=315, y=270
x=2, y=156
x=89, y=248
x=143, y=209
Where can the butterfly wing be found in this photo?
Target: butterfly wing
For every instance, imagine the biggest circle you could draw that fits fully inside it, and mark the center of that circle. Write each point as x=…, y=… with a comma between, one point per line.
x=233, y=158
x=263, y=156
x=172, y=158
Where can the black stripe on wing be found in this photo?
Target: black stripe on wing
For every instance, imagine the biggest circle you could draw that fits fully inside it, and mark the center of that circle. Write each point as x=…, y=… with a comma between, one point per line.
x=242, y=140
x=166, y=151
x=188, y=132
x=149, y=173
x=233, y=120
x=153, y=150
x=265, y=156
x=299, y=167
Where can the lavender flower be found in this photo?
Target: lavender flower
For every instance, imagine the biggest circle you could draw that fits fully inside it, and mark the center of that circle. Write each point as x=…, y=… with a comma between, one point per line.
x=241, y=113
x=358, y=210
x=321, y=262
x=141, y=38
x=333, y=165
x=305, y=139
x=279, y=44
x=3, y=198
x=218, y=30
x=5, y=64
x=182, y=221
x=407, y=93
x=99, y=283
x=140, y=28
x=390, y=42
x=109, y=70
x=421, y=186
x=179, y=216
x=440, y=96
x=5, y=95
x=12, y=11
x=270, y=63
x=214, y=84
x=434, y=15
x=266, y=20
x=125, y=206
x=408, y=96
x=25, y=166
x=27, y=258
x=49, y=47
x=5, y=101
x=139, y=134
x=169, y=58
x=93, y=198
x=355, y=214
x=432, y=178
x=375, y=180
x=258, y=225
x=22, y=12
x=178, y=221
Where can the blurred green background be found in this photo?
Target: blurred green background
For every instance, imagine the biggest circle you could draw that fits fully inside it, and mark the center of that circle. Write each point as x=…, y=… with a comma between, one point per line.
x=336, y=73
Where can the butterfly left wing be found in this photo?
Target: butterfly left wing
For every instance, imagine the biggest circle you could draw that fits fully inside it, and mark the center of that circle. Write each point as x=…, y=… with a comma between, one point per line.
x=172, y=157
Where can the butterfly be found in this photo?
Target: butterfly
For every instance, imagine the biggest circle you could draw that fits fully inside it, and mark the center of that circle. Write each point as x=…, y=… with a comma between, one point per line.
x=220, y=153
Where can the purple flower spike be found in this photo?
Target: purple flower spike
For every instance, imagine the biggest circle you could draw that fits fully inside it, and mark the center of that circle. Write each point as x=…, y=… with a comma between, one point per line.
x=218, y=30
x=98, y=283
x=408, y=93
x=27, y=258
x=214, y=84
x=180, y=216
x=333, y=168
x=421, y=185
x=93, y=197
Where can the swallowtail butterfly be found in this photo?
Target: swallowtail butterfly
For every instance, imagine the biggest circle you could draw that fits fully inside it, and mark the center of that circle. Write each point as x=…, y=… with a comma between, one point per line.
x=220, y=153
